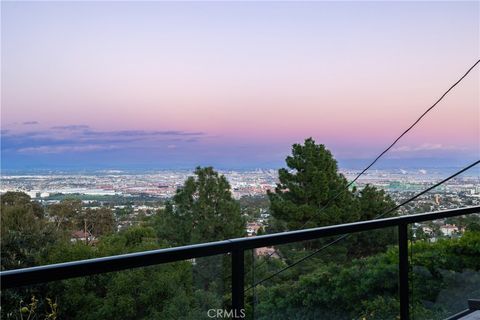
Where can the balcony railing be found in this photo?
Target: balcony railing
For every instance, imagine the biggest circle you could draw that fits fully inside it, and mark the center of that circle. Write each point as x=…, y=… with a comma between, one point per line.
x=235, y=247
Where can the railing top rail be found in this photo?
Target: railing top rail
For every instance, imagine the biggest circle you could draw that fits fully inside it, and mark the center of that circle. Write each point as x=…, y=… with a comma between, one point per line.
x=60, y=271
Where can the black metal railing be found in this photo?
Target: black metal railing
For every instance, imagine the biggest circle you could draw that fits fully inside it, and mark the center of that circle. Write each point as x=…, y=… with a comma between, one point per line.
x=236, y=247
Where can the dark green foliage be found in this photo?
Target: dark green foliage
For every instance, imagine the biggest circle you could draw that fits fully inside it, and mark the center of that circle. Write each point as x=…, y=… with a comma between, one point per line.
x=368, y=287
x=380, y=308
x=372, y=203
x=69, y=216
x=25, y=232
x=65, y=215
x=143, y=293
x=306, y=186
x=98, y=222
x=26, y=237
x=202, y=210
x=312, y=193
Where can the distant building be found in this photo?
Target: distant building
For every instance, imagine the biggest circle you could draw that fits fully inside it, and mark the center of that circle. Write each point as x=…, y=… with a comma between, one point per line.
x=449, y=229
x=428, y=231
x=33, y=194
x=82, y=236
x=252, y=228
x=267, y=251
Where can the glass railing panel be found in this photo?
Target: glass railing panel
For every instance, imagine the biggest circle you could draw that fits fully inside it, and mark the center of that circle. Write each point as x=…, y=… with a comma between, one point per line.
x=445, y=266
x=354, y=278
x=180, y=290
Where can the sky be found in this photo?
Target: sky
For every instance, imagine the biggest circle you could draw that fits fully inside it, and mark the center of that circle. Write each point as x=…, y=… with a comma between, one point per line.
x=235, y=84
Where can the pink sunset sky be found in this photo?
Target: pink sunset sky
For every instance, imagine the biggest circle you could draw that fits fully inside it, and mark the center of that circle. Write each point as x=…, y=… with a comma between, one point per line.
x=231, y=83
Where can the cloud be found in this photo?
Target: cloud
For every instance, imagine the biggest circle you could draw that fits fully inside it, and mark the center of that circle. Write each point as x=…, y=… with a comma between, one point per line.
x=64, y=149
x=30, y=123
x=82, y=138
x=142, y=133
x=71, y=127
x=426, y=147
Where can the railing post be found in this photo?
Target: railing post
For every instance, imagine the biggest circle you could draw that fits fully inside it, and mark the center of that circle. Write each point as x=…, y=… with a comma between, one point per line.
x=403, y=270
x=238, y=298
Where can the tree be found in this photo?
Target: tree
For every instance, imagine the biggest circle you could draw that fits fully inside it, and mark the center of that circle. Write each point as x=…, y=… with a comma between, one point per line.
x=372, y=204
x=26, y=233
x=139, y=293
x=202, y=210
x=69, y=216
x=20, y=199
x=312, y=193
x=66, y=215
x=26, y=237
x=99, y=222
x=309, y=185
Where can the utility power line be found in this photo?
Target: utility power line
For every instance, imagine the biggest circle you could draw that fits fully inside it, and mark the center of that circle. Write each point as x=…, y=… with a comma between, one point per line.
x=384, y=151
x=397, y=139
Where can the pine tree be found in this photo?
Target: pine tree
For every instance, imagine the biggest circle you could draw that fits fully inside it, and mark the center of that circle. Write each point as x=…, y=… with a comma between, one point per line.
x=303, y=197
x=202, y=210
x=312, y=193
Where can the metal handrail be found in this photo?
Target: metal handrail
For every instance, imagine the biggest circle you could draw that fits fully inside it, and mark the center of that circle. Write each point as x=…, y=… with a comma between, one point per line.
x=67, y=270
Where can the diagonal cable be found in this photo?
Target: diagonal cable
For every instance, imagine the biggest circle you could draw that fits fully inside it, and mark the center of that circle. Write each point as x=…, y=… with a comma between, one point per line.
x=384, y=151
x=397, y=139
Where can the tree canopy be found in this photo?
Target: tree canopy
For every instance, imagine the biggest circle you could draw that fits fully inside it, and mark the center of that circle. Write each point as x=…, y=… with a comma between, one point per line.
x=25, y=231
x=202, y=210
x=309, y=183
x=312, y=193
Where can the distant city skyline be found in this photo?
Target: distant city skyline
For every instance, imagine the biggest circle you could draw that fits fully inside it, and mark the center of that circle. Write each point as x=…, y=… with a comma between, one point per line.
x=154, y=85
